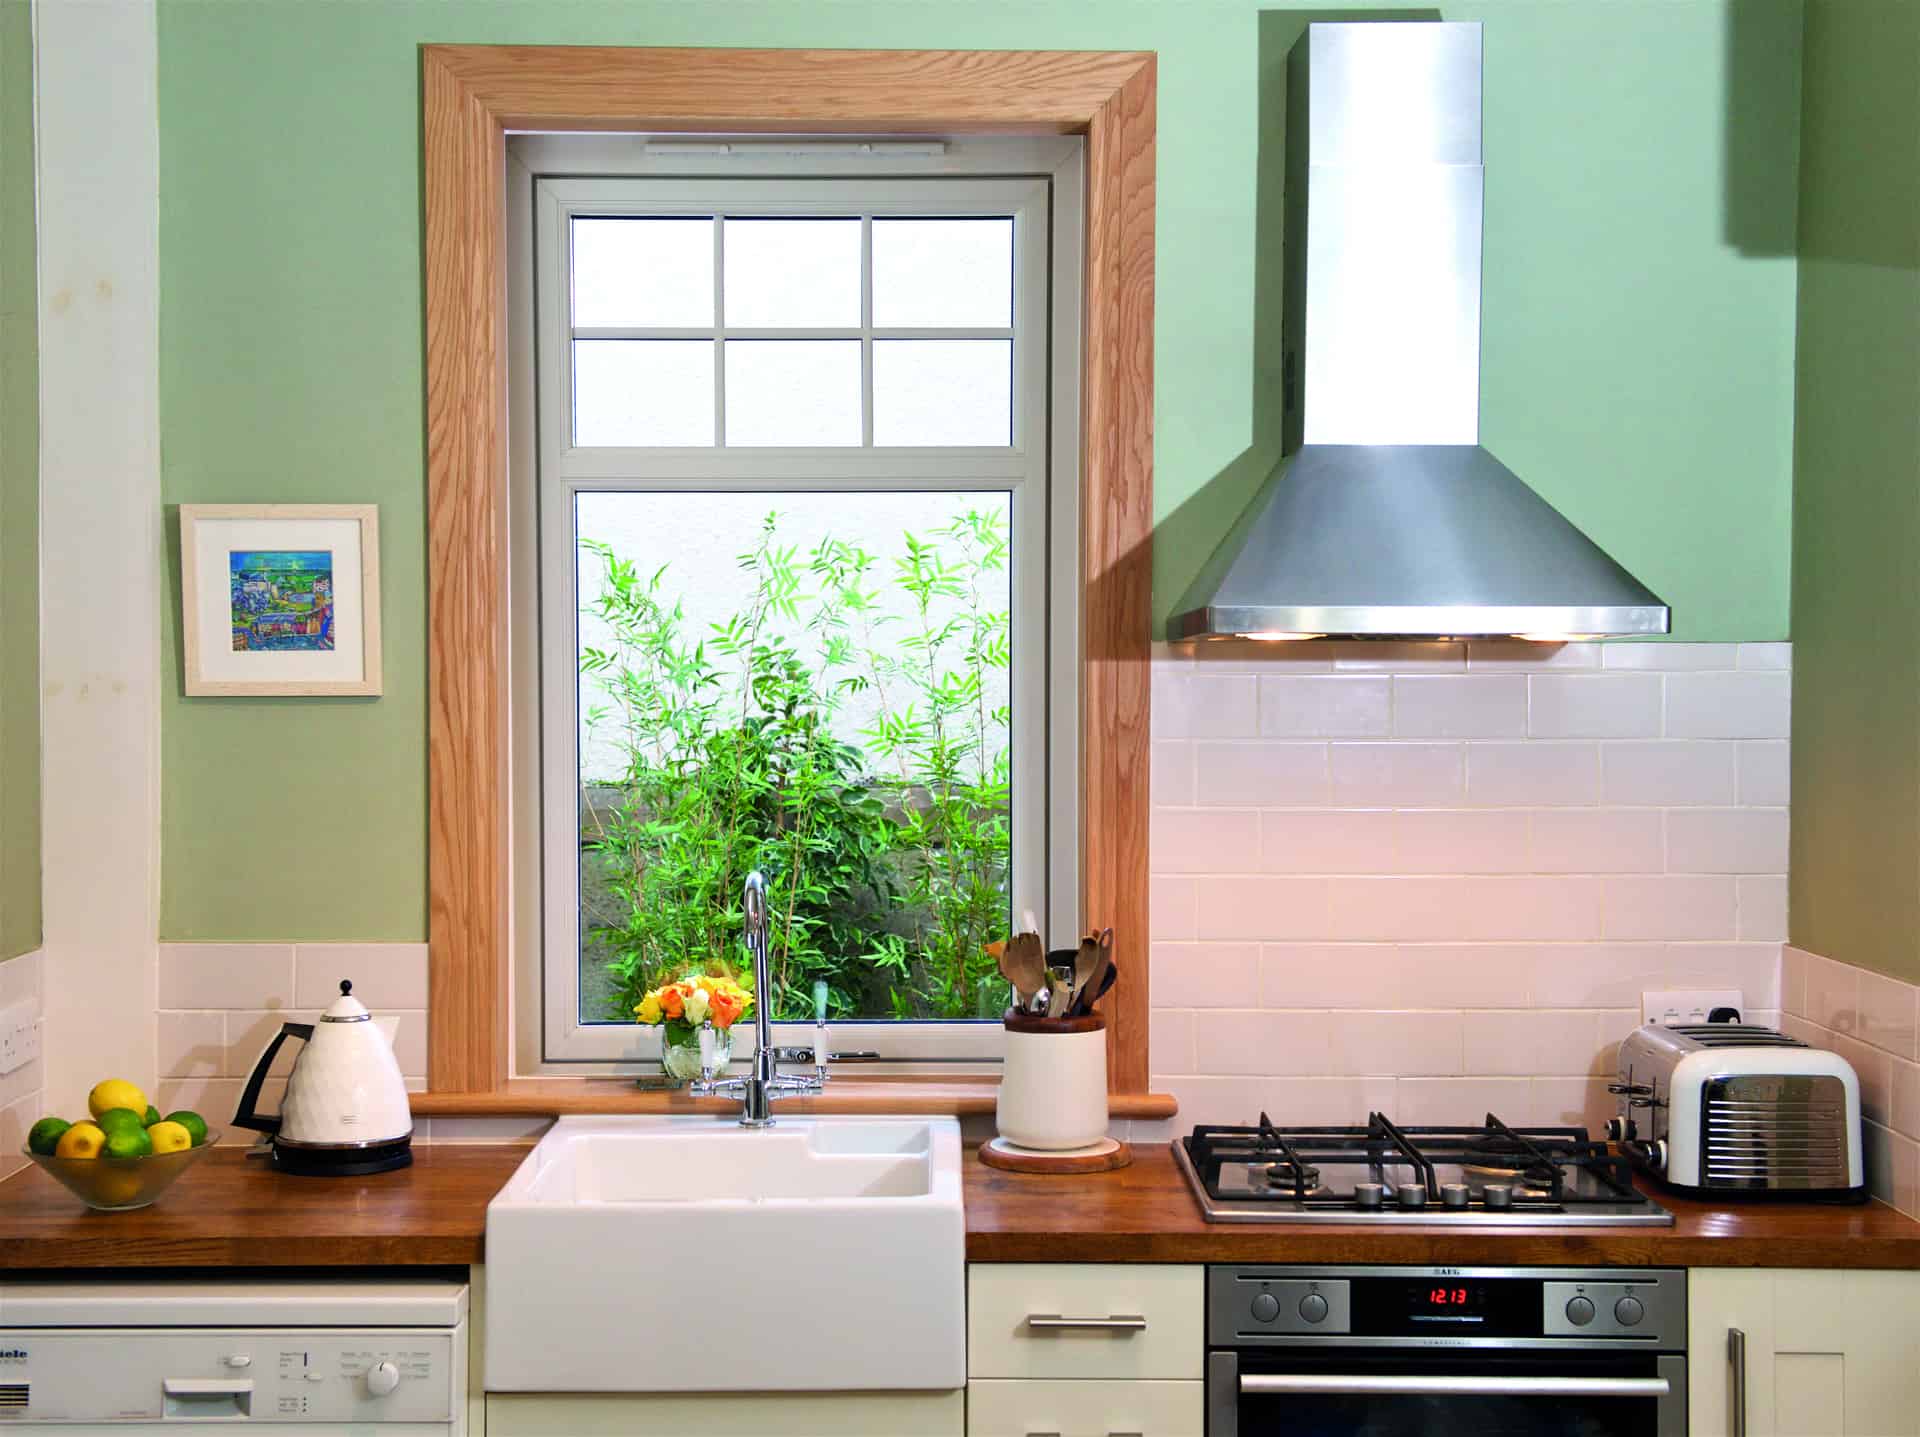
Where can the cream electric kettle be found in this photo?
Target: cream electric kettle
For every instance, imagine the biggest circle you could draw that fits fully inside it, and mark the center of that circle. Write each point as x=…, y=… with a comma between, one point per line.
x=345, y=1113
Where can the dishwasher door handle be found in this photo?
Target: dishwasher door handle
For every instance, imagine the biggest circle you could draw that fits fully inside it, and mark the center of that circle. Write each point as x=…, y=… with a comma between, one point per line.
x=1366, y=1384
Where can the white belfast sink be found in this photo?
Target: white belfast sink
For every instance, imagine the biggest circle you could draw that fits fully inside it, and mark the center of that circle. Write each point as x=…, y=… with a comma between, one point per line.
x=690, y=1254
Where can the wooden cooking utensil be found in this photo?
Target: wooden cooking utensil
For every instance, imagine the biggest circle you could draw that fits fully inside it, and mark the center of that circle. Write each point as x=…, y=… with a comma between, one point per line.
x=1094, y=987
x=1024, y=965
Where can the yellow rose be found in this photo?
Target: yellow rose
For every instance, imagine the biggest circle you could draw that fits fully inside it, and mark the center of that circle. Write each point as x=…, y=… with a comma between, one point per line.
x=649, y=1009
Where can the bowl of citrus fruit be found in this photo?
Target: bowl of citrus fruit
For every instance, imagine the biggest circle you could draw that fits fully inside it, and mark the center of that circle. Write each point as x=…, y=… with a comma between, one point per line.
x=126, y=1154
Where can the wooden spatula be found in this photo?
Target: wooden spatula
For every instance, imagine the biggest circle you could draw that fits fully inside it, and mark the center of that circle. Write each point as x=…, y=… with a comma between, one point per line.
x=1096, y=959
x=1024, y=964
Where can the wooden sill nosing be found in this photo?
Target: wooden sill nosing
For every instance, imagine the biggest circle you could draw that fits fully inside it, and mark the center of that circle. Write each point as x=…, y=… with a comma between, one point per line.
x=553, y=1097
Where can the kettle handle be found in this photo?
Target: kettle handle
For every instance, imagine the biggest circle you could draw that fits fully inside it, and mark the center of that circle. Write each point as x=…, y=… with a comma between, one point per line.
x=246, y=1117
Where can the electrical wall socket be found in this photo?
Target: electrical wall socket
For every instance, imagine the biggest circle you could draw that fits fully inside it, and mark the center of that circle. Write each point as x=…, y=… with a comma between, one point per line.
x=1675, y=1006
x=19, y=1036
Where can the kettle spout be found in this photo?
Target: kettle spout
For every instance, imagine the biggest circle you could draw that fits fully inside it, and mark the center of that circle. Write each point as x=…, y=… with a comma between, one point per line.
x=388, y=1027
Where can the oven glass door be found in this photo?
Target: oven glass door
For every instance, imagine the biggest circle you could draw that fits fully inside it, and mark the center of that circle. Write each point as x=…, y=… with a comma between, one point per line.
x=1374, y=1392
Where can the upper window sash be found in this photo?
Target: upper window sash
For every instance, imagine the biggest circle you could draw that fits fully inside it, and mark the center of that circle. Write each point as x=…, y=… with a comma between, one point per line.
x=558, y=201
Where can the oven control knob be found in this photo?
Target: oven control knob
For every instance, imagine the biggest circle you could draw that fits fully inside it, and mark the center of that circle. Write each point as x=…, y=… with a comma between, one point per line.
x=382, y=1378
x=1579, y=1311
x=1628, y=1312
x=1266, y=1307
x=1313, y=1308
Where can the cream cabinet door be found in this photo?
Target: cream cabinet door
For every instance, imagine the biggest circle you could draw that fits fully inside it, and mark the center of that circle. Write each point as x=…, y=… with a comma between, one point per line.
x=1823, y=1354
x=727, y=1414
x=1086, y=1409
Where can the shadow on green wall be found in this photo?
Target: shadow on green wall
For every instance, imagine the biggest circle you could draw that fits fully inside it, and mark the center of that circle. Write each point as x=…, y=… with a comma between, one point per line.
x=1197, y=526
x=1762, y=65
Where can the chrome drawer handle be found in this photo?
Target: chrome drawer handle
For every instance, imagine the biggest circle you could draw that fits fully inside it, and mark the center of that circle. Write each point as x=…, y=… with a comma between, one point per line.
x=1367, y=1385
x=1054, y=1322
x=1737, y=1360
x=1110, y=1434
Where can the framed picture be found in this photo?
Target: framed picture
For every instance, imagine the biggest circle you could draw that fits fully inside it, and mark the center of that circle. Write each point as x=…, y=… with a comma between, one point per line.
x=280, y=598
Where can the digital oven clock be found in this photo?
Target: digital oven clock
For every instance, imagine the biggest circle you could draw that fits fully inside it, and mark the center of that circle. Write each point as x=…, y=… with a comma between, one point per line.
x=1447, y=1301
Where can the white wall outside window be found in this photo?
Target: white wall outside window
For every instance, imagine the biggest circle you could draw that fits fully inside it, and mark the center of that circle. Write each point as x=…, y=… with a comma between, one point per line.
x=553, y=179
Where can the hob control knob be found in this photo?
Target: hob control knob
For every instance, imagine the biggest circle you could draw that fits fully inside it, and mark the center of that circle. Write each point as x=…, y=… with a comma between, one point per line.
x=1313, y=1308
x=1628, y=1312
x=382, y=1378
x=1579, y=1311
x=1266, y=1307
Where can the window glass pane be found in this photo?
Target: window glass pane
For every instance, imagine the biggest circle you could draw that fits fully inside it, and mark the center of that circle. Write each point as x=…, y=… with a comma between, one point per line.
x=656, y=273
x=955, y=274
x=642, y=391
x=792, y=272
x=943, y=391
x=793, y=391
x=816, y=685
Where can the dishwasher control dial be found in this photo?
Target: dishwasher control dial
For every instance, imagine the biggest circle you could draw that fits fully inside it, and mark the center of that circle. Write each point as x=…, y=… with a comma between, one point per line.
x=1579, y=1311
x=1313, y=1308
x=1628, y=1312
x=382, y=1378
x=1266, y=1307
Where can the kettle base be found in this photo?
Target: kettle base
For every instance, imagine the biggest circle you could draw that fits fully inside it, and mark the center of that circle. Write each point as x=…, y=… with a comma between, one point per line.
x=343, y=1162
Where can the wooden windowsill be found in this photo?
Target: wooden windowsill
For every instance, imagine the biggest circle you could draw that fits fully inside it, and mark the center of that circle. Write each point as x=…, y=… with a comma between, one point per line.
x=963, y=1097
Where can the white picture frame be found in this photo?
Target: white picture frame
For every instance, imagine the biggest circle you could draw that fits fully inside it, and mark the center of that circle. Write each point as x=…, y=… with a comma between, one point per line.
x=280, y=599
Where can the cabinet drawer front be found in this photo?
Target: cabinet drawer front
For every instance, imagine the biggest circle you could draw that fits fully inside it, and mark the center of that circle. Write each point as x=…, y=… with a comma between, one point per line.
x=1086, y=1409
x=1081, y=1320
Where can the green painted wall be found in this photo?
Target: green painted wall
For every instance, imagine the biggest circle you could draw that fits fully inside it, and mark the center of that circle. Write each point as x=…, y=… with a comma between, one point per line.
x=1638, y=334
x=19, y=495
x=1855, y=863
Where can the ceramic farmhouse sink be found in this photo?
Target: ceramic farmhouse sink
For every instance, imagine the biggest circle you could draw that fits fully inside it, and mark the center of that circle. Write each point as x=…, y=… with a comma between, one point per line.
x=690, y=1254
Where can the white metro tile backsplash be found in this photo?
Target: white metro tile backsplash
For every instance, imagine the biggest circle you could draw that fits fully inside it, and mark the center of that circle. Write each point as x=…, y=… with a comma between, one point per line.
x=22, y=1090
x=221, y=1004
x=1438, y=877
x=1872, y=1021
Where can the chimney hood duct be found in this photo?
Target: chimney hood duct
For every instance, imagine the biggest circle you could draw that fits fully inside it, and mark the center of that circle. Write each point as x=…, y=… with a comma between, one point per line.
x=1388, y=519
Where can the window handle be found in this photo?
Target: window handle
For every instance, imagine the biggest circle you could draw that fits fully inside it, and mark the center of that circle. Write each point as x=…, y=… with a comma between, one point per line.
x=1737, y=1360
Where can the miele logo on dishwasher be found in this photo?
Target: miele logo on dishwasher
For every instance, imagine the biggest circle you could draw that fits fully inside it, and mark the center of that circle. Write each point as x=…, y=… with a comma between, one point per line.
x=13, y=1354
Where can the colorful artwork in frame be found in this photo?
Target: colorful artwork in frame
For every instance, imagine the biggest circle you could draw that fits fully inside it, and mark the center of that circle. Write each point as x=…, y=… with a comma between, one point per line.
x=280, y=599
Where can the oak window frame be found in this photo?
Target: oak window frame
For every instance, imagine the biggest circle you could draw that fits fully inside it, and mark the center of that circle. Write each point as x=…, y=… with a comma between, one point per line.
x=473, y=97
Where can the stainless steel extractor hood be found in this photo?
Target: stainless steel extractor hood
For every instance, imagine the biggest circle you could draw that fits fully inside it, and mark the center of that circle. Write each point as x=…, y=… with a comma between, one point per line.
x=1387, y=518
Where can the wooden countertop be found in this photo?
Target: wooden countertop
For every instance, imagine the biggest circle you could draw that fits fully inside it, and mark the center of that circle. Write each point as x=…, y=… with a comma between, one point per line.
x=1145, y=1213
x=235, y=1211
x=232, y=1211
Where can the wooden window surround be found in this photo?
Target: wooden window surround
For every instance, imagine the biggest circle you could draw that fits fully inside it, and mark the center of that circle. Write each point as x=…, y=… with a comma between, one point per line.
x=473, y=96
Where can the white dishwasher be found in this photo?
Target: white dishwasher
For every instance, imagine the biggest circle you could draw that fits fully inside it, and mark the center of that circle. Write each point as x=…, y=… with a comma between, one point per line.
x=309, y=1357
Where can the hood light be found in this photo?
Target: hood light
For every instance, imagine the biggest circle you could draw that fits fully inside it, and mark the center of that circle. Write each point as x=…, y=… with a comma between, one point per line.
x=1555, y=638
x=1276, y=636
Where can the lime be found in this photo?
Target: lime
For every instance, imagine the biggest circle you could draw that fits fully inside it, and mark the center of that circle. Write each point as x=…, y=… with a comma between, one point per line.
x=115, y=1186
x=44, y=1136
x=152, y=1117
x=82, y=1140
x=115, y=1118
x=169, y=1137
x=124, y=1142
x=195, y=1125
x=116, y=1093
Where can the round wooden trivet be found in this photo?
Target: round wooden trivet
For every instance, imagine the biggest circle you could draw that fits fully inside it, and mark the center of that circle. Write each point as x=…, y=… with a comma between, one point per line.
x=1103, y=1156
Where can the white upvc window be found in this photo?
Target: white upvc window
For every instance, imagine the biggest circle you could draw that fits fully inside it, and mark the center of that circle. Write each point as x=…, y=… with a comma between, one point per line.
x=796, y=428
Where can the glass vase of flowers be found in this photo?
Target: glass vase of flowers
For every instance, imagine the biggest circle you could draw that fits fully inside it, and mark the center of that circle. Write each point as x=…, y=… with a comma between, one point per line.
x=696, y=1018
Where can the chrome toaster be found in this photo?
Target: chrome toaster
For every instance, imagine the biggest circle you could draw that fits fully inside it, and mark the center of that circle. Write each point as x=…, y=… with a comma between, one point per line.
x=1735, y=1109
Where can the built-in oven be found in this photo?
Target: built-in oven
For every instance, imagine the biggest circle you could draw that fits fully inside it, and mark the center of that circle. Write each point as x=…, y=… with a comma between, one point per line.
x=1446, y=1352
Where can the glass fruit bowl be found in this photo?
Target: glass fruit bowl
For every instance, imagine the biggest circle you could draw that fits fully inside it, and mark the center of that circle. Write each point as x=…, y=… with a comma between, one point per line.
x=121, y=1184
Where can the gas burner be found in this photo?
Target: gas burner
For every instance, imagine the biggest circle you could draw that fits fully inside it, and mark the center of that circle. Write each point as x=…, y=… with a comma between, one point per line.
x=1384, y=1173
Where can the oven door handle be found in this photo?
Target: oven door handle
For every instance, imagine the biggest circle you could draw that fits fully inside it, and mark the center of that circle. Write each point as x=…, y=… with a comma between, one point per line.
x=1364, y=1384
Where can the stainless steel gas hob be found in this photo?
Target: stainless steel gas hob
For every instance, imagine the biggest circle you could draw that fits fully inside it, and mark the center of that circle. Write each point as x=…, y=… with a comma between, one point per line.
x=1491, y=1175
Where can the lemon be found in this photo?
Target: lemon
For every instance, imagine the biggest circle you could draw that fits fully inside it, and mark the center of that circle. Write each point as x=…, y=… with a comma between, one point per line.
x=169, y=1137
x=114, y=1119
x=192, y=1122
x=116, y=1093
x=128, y=1142
x=82, y=1140
x=115, y=1186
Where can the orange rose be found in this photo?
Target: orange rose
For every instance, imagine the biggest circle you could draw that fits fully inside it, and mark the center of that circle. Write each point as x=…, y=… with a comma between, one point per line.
x=724, y=1010
x=673, y=1000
